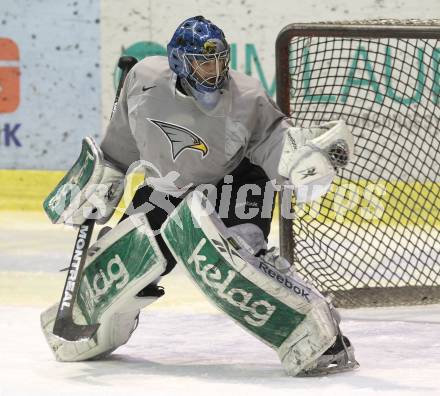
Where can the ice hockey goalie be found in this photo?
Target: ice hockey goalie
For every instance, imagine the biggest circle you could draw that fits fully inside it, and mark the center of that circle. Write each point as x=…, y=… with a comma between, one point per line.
x=215, y=149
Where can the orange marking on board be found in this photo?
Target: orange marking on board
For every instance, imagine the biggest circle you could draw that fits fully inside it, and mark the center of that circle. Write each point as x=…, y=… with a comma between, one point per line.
x=9, y=76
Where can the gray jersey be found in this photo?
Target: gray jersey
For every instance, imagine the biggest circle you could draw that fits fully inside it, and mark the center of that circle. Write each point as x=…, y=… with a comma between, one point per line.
x=155, y=122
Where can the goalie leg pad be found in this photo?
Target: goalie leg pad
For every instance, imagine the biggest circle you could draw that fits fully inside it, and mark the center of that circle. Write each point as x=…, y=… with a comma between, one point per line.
x=118, y=267
x=282, y=311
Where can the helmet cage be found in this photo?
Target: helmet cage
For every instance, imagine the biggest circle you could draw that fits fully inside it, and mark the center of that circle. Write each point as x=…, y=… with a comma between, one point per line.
x=198, y=77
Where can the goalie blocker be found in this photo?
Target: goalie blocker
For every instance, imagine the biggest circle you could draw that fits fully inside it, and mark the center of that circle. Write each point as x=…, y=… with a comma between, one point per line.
x=90, y=190
x=281, y=310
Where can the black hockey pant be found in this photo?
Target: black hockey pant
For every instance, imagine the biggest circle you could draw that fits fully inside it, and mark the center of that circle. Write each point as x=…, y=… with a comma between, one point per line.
x=245, y=173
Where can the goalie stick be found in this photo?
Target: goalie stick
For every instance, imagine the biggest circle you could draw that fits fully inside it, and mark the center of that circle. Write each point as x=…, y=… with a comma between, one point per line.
x=64, y=326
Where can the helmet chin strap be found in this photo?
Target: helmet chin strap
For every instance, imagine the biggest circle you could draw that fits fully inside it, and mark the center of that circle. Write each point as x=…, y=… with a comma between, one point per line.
x=208, y=100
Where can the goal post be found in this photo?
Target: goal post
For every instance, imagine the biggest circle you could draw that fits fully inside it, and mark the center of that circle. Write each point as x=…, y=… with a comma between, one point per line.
x=374, y=239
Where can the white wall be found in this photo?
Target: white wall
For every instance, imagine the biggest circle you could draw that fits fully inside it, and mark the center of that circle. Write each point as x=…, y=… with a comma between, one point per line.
x=60, y=93
x=244, y=22
x=69, y=49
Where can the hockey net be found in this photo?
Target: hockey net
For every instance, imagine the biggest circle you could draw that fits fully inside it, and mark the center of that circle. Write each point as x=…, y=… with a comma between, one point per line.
x=374, y=239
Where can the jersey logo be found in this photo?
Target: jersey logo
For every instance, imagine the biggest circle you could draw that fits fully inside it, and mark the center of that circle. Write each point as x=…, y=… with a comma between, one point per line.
x=181, y=138
x=145, y=88
x=308, y=172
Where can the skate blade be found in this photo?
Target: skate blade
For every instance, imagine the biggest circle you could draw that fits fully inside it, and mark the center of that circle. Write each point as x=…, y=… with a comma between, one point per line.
x=335, y=369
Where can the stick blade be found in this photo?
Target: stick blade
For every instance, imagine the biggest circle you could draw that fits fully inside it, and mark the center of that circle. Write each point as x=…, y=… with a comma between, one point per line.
x=71, y=331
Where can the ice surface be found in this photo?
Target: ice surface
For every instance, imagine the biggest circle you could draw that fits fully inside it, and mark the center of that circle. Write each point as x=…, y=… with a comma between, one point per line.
x=179, y=352
x=183, y=346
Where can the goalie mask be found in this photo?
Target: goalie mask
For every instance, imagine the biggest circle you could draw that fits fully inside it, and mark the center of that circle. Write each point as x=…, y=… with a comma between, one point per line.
x=199, y=54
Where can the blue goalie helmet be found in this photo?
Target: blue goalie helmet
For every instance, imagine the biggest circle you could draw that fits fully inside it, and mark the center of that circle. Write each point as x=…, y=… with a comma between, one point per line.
x=199, y=53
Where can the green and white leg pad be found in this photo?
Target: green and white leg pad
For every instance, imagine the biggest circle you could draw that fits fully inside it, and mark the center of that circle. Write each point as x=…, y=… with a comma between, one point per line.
x=281, y=310
x=118, y=267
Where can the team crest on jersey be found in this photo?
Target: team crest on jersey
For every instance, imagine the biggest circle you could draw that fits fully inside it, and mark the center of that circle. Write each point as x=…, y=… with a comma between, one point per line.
x=181, y=138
